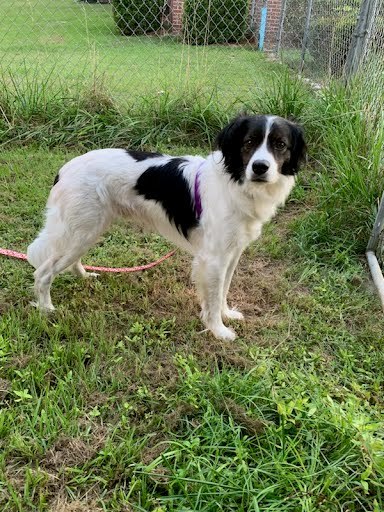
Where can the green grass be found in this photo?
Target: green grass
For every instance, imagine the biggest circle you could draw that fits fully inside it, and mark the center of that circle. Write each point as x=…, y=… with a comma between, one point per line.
x=118, y=402
x=33, y=113
x=344, y=129
x=72, y=41
x=350, y=172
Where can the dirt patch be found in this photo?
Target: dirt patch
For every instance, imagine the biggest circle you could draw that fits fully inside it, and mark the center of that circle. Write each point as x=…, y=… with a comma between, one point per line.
x=156, y=446
x=15, y=476
x=62, y=504
x=51, y=485
x=70, y=452
x=5, y=387
x=161, y=371
x=96, y=398
x=160, y=476
x=253, y=426
x=174, y=419
x=257, y=286
x=234, y=359
x=19, y=362
x=218, y=354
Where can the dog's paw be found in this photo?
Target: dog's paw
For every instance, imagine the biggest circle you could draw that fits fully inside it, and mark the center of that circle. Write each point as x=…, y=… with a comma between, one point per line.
x=233, y=314
x=91, y=274
x=46, y=308
x=224, y=333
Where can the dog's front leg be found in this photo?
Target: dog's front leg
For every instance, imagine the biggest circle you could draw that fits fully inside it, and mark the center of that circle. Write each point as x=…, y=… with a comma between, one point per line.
x=209, y=273
x=231, y=314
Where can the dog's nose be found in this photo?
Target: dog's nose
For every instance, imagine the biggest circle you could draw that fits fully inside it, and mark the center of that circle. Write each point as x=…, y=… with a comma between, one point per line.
x=260, y=167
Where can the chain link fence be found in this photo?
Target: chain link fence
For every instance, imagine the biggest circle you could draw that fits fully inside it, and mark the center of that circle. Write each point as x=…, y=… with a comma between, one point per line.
x=141, y=47
x=370, y=54
x=325, y=39
x=317, y=34
x=137, y=47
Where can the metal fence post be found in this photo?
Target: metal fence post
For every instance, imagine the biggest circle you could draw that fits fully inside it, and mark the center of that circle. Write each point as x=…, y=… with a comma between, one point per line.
x=263, y=25
x=282, y=18
x=252, y=25
x=360, y=37
x=372, y=246
x=306, y=35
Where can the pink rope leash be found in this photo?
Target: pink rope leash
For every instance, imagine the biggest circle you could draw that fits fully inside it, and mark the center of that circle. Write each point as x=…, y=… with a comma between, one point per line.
x=22, y=256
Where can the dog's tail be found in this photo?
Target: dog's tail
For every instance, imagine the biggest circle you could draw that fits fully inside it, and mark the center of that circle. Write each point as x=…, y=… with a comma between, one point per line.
x=38, y=251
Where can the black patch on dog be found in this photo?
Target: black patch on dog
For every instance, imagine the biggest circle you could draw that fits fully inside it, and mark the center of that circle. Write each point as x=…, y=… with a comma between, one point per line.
x=231, y=143
x=139, y=156
x=167, y=185
x=298, y=149
x=286, y=143
x=57, y=177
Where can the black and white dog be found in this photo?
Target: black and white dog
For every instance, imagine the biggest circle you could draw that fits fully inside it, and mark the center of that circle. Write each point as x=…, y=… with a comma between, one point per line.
x=212, y=207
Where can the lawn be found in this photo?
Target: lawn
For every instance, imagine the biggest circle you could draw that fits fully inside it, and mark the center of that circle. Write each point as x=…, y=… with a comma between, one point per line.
x=74, y=42
x=118, y=402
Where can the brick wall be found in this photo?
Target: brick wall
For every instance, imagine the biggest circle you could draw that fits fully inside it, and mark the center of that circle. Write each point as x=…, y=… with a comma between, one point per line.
x=177, y=15
x=273, y=20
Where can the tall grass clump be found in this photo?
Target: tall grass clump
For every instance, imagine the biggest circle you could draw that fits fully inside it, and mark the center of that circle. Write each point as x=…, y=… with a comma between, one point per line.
x=188, y=118
x=350, y=172
x=344, y=178
x=288, y=97
x=50, y=114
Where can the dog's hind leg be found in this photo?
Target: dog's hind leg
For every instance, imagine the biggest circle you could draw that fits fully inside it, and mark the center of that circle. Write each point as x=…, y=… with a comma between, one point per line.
x=64, y=253
x=78, y=270
x=45, y=274
x=70, y=230
x=43, y=281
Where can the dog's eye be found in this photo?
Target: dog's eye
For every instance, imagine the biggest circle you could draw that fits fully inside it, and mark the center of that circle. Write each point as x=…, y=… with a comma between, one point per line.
x=280, y=145
x=248, y=144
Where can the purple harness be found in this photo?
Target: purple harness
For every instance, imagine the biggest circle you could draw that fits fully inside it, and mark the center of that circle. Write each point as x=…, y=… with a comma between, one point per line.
x=198, y=207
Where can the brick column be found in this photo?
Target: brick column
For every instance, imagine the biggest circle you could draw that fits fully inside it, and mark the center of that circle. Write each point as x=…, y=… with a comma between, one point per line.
x=177, y=7
x=273, y=21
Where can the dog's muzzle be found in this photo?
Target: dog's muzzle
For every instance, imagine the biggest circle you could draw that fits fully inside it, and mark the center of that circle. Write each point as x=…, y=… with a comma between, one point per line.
x=260, y=169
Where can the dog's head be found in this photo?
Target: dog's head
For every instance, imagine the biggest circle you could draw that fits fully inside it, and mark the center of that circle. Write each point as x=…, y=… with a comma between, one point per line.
x=260, y=149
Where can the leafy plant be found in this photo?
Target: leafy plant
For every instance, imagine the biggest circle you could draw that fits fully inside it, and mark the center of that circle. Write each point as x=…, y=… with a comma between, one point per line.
x=135, y=17
x=215, y=21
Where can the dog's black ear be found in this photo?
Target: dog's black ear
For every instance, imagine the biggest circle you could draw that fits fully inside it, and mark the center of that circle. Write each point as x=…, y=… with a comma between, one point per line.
x=225, y=139
x=230, y=141
x=298, y=150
